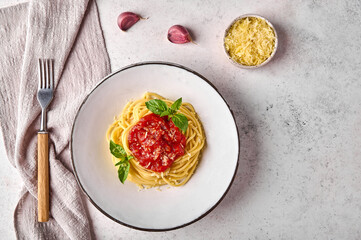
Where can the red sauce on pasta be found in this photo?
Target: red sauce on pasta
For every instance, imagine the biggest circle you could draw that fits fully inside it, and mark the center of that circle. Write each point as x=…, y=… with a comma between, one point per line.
x=156, y=142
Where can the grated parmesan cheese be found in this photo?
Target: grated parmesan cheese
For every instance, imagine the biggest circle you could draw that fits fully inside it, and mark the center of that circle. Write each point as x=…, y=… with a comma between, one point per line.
x=250, y=41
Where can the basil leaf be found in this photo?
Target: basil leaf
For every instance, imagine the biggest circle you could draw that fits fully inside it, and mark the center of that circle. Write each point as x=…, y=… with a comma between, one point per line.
x=180, y=121
x=176, y=105
x=171, y=111
x=117, y=150
x=167, y=112
x=156, y=106
x=124, y=165
x=123, y=170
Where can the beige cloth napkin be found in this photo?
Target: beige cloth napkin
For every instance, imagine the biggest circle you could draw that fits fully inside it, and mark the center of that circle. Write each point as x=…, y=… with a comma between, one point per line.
x=69, y=32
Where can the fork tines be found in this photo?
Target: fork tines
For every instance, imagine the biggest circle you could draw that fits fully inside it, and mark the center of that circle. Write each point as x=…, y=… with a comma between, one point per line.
x=46, y=73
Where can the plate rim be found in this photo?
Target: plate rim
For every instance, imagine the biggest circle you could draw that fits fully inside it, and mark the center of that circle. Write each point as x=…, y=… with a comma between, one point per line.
x=72, y=157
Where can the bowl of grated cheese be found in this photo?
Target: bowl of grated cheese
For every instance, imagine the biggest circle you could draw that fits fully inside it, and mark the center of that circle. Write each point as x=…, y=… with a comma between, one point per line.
x=250, y=41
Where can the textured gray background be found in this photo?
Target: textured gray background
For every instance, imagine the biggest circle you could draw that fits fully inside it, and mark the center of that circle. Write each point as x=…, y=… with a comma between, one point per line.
x=299, y=116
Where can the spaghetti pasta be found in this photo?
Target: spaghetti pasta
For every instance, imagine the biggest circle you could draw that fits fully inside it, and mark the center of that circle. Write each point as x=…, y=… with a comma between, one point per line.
x=182, y=168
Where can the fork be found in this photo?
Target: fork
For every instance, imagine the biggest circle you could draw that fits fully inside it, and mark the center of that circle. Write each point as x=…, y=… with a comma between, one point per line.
x=45, y=95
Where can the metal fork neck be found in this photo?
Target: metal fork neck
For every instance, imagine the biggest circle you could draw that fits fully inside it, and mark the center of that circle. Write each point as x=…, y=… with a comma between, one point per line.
x=43, y=121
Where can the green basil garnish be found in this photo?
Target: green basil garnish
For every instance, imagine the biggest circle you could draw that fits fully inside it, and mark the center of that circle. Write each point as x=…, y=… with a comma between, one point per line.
x=124, y=165
x=180, y=121
x=157, y=106
x=160, y=108
x=123, y=170
x=176, y=105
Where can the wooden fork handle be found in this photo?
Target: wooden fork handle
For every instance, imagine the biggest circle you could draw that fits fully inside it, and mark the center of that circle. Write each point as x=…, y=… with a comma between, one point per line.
x=43, y=176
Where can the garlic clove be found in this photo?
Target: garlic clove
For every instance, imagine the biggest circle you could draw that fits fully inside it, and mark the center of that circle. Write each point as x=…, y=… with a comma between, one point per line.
x=127, y=19
x=178, y=34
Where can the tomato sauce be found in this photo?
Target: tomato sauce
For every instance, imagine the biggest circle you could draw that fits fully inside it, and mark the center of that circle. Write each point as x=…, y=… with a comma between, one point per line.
x=156, y=142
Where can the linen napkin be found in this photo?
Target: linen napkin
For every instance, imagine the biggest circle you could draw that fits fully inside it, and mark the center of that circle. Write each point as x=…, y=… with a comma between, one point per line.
x=69, y=32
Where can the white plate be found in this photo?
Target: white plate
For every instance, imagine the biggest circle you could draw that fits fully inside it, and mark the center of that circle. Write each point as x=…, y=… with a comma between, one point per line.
x=151, y=209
